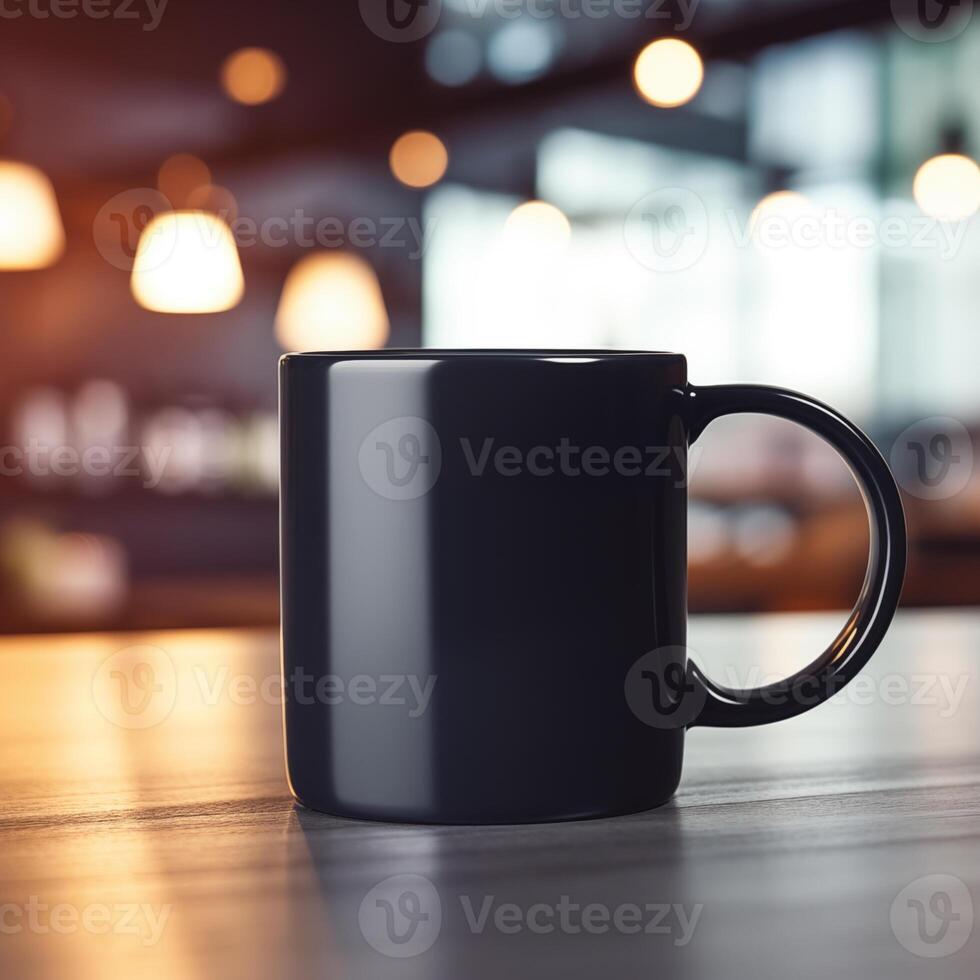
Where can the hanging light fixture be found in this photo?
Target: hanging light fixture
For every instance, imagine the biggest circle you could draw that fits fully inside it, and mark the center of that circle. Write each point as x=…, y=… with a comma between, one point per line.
x=31, y=233
x=781, y=206
x=187, y=262
x=332, y=301
x=536, y=229
x=947, y=186
x=668, y=72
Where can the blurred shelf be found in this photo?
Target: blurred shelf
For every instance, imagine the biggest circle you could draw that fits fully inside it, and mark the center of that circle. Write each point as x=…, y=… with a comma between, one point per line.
x=168, y=602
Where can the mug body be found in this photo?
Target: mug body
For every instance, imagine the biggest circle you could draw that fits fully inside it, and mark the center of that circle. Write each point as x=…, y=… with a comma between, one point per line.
x=478, y=549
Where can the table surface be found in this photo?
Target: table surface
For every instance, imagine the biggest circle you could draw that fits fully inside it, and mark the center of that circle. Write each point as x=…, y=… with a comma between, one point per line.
x=147, y=830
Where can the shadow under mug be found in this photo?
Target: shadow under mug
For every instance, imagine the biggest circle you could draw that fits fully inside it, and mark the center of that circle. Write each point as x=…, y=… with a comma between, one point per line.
x=484, y=580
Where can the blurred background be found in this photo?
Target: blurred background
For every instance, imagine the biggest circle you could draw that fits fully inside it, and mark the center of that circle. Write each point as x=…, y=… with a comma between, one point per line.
x=783, y=190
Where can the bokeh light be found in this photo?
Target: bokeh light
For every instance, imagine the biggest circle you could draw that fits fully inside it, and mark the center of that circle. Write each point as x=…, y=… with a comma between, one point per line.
x=332, y=301
x=41, y=420
x=784, y=206
x=537, y=229
x=187, y=262
x=668, y=72
x=253, y=75
x=180, y=176
x=522, y=50
x=214, y=198
x=31, y=233
x=947, y=187
x=99, y=414
x=453, y=57
x=418, y=158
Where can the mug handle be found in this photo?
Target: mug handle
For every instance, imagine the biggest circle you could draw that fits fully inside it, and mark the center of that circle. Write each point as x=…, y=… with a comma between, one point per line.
x=726, y=707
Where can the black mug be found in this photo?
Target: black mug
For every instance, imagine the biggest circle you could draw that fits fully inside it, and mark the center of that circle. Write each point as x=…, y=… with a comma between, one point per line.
x=484, y=580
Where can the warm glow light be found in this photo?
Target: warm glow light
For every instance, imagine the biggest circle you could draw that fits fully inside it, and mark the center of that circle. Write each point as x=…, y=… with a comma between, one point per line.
x=418, y=158
x=216, y=199
x=187, y=262
x=253, y=75
x=536, y=229
x=779, y=206
x=180, y=176
x=947, y=187
x=31, y=233
x=332, y=301
x=668, y=72
x=780, y=223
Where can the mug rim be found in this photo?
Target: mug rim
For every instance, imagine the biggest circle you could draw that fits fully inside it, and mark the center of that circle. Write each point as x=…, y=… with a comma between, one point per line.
x=463, y=352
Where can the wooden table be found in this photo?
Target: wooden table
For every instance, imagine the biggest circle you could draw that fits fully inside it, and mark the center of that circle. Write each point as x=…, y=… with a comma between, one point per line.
x=163, y=842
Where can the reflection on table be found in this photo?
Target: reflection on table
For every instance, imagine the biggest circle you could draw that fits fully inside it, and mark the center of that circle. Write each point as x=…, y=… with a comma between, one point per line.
x=143, y=773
